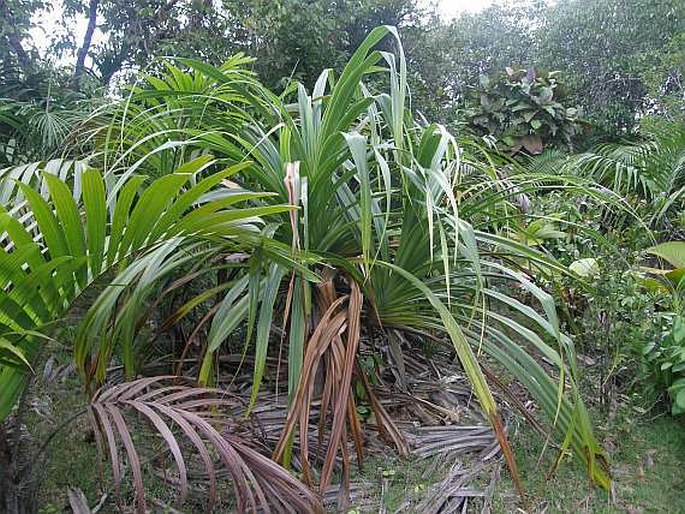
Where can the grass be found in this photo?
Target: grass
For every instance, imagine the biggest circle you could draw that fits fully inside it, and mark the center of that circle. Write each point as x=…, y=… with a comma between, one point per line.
x=632, y=439
x=391, y=481
x=72, y=459
x=640, y=486
x=647, y=457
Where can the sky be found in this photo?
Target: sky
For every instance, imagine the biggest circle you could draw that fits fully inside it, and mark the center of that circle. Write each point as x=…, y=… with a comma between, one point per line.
x=452, y=8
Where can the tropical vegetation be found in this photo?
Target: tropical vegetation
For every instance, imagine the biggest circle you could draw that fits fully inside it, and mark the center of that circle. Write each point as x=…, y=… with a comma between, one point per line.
x=242, y=259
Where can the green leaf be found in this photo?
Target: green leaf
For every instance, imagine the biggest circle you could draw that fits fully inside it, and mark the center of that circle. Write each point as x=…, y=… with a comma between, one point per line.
x=273, y=282
x=94, y=202
x=16, y=353
x=680, y=400
x=585, y=267
x=672, y=252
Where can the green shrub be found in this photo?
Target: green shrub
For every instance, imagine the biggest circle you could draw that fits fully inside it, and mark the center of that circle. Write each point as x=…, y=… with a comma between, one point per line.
x=523, y=110
x=665, y=362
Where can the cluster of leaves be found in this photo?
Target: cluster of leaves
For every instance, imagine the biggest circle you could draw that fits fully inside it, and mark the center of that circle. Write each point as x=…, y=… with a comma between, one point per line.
x=665, y=360
x=647, y=171
x=623, y=315
x=523, y=109
x=15, y=21
x=450, y=58
x=37, y=123
x=605, y=306
x=296, y=39
x=665, y=356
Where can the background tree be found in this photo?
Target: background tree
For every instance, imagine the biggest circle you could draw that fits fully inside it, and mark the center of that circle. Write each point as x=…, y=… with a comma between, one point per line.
x=623, y=59
x=15, y=22
x=290, y=38
x=618, y=54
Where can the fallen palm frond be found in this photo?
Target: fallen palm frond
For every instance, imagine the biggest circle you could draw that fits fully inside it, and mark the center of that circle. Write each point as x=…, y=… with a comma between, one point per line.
x=454, y=491
x=258, y=482
x=433, y=441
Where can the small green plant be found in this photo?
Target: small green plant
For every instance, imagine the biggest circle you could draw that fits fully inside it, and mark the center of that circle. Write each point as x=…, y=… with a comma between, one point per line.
x=667, y=360
x=666, y=357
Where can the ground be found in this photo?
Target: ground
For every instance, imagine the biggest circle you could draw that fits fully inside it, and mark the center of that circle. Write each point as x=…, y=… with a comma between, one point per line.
x=648, y=458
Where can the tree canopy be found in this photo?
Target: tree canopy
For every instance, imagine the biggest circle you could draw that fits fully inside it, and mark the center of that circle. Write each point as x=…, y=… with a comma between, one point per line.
x=622, y=59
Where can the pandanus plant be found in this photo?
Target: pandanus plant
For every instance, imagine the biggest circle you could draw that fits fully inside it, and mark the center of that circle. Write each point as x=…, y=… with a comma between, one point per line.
x=376, y=222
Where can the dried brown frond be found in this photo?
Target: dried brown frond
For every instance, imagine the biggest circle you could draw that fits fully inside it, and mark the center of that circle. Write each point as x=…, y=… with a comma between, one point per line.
x=258, y=482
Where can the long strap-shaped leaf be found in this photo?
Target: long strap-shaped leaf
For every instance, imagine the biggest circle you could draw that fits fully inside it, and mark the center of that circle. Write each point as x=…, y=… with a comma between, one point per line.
x=471, y=367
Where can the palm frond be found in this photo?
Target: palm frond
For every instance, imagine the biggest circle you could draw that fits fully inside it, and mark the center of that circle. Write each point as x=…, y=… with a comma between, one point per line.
x=170, y=409
x=64, y=244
